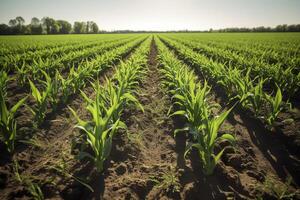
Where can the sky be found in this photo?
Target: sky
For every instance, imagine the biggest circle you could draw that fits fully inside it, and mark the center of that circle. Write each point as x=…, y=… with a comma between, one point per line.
x=158, y=14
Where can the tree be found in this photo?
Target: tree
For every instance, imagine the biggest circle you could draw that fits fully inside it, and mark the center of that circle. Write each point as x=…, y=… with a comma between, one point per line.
x=12, y=22
x=36, y=26
x=54, y=27
x=88, y=26
x=64, y=26
x=17, y=25
x=95, y=28
x=27, y=30
x=79, y=27
x=20, y=21
x=4, y=29
x=48, y=23
x=35, y=21
x=293, y=28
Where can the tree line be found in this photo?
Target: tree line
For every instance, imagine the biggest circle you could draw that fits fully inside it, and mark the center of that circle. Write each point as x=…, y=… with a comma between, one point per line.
x=46, y=25
x=278, y=28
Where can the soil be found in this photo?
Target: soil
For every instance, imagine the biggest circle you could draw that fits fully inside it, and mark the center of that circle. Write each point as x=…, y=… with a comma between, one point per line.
x=146, y=161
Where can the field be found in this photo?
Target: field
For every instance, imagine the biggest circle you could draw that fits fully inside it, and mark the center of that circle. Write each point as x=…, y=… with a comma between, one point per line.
x=150, y=116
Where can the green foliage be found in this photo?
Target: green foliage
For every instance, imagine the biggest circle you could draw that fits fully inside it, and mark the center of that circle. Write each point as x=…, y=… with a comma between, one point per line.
x=102, y=127
x=22, y=73
x=190, y=100
x=8, y=124
x=41, y=98
x=207, y=140
x=276, y=106
x=242, y=77
x=107, y=106
x=3, y=82
x=257, y=97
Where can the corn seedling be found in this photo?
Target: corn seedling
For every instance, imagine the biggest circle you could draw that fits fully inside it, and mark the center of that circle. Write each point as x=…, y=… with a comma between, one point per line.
x=191, y=98
x=41, y=98
x=208, y=139
x=3, y=82
x=194, y=107
x=256, y=98
x=243, y=87
x=54, y=87
x=101, y=128
x=8, y=124
x=276, y=106
x=22, y=73
x=65, y=87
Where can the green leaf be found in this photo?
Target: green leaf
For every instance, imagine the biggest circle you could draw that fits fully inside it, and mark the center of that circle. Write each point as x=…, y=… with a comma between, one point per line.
x=35, y=92
x=4, y=111
x=179, y=112
x=227, y=137
x=180, y=130
x=188, y=148
x=18, y=104
x=215, y=126
x=122, y=125
x=278, y=99
x=87, y=99
x=218, y=156
x=80, y=122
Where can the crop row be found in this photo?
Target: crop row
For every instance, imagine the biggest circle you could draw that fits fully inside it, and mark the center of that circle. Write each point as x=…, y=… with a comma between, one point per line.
x=237, y=86
x=60, y=62
x=286, y=78
x=21, y=45
x=190, y=100
x=47, y=53
x=52, y=90
x=108, y=104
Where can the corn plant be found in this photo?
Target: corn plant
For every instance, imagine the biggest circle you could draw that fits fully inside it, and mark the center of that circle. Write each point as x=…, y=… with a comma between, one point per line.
x=191, y=97
x=54, y=85
x=105, y=122
x=22, y=73
x=194, y=107
x=226, y=79
x=108, y=105
x=3, y=82
x=100, y=130
x=276, y=106
x=202, y=126
x=41, y=98
x=78, y=77
x=243, y=87
x=65, y=87
x=257, y=97
x=48, y=95
x=8, y=124
x=207, y=140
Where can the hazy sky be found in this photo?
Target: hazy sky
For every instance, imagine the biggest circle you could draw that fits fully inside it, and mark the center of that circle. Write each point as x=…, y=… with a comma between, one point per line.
x=158, y=14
